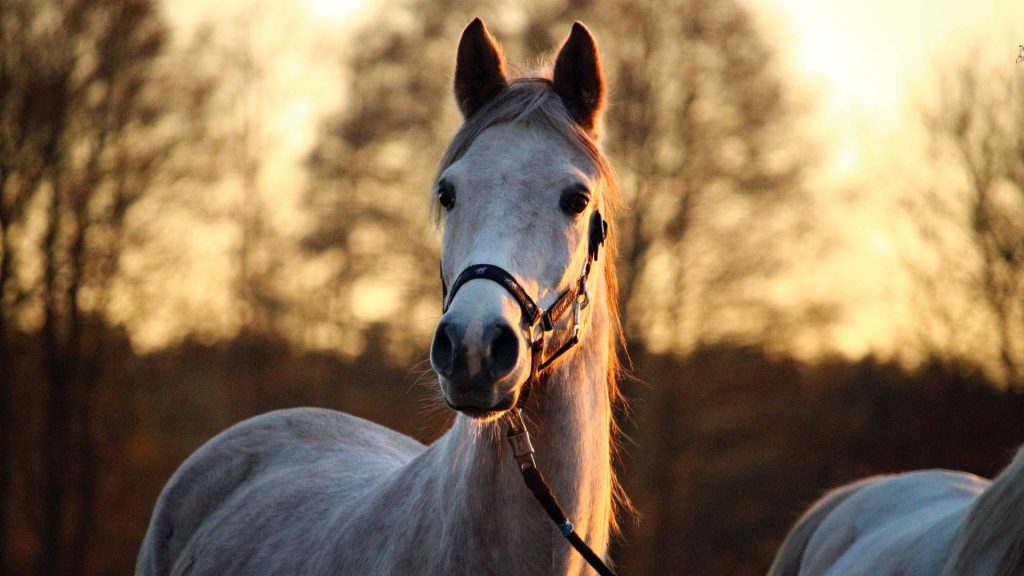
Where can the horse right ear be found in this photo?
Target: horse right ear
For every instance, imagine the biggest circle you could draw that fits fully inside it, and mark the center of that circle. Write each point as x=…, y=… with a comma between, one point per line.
x=578, y=79
x=479, y=69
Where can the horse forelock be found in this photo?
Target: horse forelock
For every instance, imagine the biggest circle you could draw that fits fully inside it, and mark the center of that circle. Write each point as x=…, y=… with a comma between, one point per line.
x=530, y=99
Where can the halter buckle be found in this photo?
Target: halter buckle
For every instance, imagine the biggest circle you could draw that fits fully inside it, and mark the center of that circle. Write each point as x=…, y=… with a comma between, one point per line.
x=519, y=439
x=545, y=321
x=537, y=330
x=576, y=307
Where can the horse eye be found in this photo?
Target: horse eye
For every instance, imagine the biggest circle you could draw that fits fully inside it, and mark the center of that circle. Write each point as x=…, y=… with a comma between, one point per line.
x=446, y=195
x=574, y=201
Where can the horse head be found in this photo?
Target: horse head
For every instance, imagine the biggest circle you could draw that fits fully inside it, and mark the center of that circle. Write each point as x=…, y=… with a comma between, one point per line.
x=520, y=192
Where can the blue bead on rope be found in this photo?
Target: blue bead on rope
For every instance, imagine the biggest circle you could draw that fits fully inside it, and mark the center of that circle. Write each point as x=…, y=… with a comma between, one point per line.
x=566, y=528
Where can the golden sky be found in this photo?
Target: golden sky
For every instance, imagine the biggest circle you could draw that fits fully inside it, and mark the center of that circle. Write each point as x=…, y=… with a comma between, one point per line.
x=869, y=65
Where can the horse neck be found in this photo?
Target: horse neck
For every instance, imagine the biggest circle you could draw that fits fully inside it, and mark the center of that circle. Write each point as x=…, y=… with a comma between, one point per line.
x=571, y=430
x=569, y=419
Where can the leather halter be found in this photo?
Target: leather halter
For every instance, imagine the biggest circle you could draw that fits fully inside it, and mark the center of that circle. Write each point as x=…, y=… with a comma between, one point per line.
x=538, y=321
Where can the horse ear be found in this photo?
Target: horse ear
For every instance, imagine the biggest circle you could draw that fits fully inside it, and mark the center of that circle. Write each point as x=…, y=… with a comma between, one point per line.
x=479, y=70
x=578, y=79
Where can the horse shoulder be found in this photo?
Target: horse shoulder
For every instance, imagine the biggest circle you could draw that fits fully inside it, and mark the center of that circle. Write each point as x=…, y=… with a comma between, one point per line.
x=244, y=453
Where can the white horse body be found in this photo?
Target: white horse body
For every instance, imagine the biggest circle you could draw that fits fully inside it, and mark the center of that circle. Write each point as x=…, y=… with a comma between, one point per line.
x=926, y=523
x=310, y=491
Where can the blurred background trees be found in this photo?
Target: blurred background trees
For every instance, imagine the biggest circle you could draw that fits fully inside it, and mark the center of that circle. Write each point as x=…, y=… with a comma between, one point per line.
x=92, y=118
x=972, y=213
x=130, y=150
x=371, y=170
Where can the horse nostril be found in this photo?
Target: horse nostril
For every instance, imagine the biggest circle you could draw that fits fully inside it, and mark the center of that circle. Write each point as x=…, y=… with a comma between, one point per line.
x=442, y=350
x=504, y=350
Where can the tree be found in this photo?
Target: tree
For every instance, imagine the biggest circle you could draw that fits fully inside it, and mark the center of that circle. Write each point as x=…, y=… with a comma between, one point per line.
x=972, y=214
x=91, y=121
x=31, y=88
x=26, y=140
x=703, y=135
x=241, y=141
x=243, y=100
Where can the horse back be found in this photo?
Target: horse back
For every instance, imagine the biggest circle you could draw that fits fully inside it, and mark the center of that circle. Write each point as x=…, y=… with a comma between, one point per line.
x=902, y=524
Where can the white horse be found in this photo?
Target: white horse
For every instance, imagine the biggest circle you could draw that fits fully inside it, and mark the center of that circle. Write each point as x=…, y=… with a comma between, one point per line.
x=927, y=523
x=310, y=491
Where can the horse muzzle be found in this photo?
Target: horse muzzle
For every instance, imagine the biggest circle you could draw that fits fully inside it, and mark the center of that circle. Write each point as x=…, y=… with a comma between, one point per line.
x=479, y=365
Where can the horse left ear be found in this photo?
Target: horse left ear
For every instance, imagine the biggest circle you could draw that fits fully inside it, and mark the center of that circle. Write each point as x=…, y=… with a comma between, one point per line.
x=578, y=79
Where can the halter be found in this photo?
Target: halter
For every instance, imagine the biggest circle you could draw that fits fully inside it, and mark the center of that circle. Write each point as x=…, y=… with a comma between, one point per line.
x=537, y=323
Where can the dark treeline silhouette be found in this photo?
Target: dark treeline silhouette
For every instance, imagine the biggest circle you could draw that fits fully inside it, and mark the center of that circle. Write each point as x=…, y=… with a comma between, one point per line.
x=754, y=438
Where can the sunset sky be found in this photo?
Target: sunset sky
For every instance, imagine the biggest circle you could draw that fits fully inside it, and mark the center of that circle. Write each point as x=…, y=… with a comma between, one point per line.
x=872, y=64
x=863, y=67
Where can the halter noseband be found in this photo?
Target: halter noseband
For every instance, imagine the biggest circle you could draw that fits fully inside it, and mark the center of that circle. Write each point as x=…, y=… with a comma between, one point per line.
x=538, y=321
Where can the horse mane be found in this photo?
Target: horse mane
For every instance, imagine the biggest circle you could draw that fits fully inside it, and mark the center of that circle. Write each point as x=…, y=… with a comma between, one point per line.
x=993, y=531
x=530, y=99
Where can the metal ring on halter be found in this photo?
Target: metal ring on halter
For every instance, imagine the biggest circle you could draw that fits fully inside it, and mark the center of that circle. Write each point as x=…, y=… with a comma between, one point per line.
x=585, y=294
x=536, y=333
x=576, y=319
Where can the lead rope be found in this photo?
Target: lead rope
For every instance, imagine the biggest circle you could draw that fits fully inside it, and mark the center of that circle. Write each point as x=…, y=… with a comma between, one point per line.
x=522, y=449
